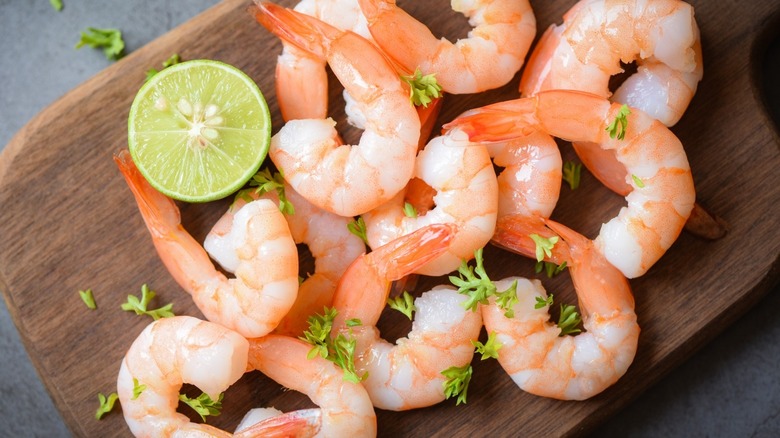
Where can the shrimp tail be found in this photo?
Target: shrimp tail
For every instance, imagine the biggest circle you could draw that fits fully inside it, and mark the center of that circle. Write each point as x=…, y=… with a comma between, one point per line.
x=513, y=233
x=159, y=211
x=599, y=285
x=365, y=285
x=181, y=254
x=305, y=32
x=704, y=224
x=300, y=423
x=406, y=254
x=497, y=122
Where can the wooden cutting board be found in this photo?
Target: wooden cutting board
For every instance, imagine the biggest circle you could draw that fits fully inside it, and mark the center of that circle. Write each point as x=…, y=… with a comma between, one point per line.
x=68, y=222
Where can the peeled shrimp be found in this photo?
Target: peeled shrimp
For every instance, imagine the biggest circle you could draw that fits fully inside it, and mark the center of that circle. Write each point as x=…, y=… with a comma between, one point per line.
x=331, y=244
x=533, y=354
x=597, y=35
x=466, y=195
x=491, y=55
x=266, y=259
x=346, y=180
x=654, y=159
x=168, y=353
x=344, y=407
x=406, y=375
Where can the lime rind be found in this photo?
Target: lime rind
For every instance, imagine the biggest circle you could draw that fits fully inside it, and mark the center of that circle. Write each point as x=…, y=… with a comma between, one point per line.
x=199, y=130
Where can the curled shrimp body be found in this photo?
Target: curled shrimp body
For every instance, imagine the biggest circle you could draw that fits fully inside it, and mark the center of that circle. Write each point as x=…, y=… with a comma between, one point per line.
x=345, y=409
x=326, y=235
x=168, y=353
x=406, y=375
x=491, y=55
x=342, y=179
x=530, y=183
x=466, y=195
x=597, y=35
x=266, y=270
x=533, y=354
x=655, y=163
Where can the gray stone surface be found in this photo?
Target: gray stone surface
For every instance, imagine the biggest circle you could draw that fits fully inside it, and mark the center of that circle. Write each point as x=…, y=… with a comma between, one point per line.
x=730, y=388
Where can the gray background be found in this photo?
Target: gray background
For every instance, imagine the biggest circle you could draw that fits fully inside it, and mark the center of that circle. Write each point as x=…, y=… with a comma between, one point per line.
x=729, y=388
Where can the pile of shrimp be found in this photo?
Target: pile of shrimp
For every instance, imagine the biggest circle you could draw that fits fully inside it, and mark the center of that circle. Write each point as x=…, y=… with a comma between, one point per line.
x=426, y=207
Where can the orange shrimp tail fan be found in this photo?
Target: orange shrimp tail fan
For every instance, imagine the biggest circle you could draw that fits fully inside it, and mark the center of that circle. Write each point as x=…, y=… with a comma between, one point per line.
x=301, y=423
x=498, y=122
x=408, y=253
x=513, y=233
x=303, y=31
x=159, y=211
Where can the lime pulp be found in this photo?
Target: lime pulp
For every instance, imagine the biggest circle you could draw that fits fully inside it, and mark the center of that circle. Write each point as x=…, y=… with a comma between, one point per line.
x=199, y=130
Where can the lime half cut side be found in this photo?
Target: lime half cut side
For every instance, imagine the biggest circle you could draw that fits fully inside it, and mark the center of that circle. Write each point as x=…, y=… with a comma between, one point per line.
x=199, y=130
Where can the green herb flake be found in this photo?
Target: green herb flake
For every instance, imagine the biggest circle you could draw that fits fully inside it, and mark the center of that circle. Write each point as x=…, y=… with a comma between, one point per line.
x=88, y=298
x=266, y=182
x=490, y=348
x=409, y=210
x=137, y=389
x=204, y=405
x=550, y=268
x=638, y=181
x=571, y=174
x=473, y=282
x=133, y=304
x=569, y=320
x=457, y=383
x=543, y=302
x=56, y=4
x=423, y=89
x=110, y=40
x=358, y=228
x=339, y=350
x=507, y=299
x=617, y=129
x=544, y=246
x=403, y=304
x=172, y=60
x=106, y=404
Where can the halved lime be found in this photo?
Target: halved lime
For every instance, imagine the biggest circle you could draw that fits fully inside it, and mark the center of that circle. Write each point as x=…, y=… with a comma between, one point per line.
x=199, y=130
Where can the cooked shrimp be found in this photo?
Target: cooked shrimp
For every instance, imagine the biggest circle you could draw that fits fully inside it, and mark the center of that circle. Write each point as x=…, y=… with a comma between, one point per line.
x=406, y=375
x=533, y=354
x=596, y=35
x=654, y=159
x=467, y=195
x=344, y=407
x=168, y=353
x=328, y=238
x=266, y=282
x=530, y=183
x=491, y=55
x=346, y=180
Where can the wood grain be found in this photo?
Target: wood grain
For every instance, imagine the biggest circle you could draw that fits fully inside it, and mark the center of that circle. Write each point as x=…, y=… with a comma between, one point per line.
x=68, y=222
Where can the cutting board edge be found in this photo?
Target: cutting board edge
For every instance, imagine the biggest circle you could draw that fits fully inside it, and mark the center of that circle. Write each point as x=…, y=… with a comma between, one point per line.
x=16, y=145
x=687, y=349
